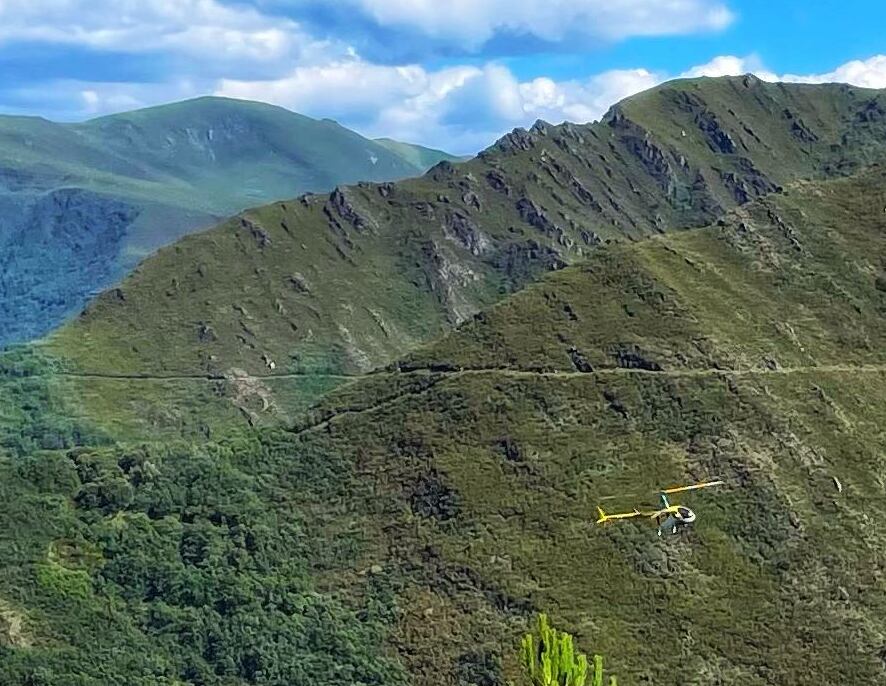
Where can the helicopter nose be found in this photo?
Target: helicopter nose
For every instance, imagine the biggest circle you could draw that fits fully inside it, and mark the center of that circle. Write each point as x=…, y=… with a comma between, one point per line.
x=688, y=516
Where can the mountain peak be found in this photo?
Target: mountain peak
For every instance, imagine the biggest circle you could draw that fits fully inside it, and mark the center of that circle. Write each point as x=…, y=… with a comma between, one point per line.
x=114, y=189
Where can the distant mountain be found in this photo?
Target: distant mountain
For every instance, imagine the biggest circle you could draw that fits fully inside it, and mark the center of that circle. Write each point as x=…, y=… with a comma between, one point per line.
x=417, y=154
x=81, y=203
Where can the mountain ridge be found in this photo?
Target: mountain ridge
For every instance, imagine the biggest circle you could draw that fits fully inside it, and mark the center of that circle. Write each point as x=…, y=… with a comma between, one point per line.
x=338, y=284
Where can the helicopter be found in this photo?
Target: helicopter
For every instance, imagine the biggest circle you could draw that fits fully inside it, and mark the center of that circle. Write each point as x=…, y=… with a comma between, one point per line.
x=670, y=518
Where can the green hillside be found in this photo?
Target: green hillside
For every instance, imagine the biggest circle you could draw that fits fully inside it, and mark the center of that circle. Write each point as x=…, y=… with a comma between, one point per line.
x=304, y=291
x=409, y=527
x=81, y=203
x=754, y=351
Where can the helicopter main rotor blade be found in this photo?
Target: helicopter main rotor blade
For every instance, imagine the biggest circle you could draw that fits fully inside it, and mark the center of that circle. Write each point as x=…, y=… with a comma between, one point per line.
x=667, y=490
x=693, y=487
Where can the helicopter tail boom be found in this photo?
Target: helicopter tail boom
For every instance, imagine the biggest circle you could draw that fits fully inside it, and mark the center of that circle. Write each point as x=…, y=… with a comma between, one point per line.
x=603, y=518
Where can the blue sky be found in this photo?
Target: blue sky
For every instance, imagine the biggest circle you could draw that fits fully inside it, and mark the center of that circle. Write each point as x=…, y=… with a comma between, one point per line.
x=448, y=73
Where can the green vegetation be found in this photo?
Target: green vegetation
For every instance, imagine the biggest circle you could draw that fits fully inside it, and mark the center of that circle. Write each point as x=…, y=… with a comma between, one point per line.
x=80, y=204
x=551, y=660
x=33, y=413
x=411, y=525
x=416, y=521
x=496, y=465
x=179, y=565
x=790, y=281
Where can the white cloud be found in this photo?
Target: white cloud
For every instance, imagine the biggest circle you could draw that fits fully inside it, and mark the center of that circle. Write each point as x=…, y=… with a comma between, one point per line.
x=194, y=27
x=404, y=101
x=340, y=89
x=221, y=30
x=91, y=99
x=870, y=73
x=73, y=100
x=239, y=51
x=461, y=108
x=583, y=100
x=101, y=98
x=465, y=108
x=730, y=65
x=470, y=23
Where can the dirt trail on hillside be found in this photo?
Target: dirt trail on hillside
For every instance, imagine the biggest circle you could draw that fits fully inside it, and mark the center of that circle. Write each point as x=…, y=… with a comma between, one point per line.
x=447, y=375
x=503, y=371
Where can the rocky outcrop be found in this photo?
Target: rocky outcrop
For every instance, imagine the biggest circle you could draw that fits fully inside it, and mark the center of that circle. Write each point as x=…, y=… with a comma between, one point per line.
x=261, y=237
x=341, y=207
x=518, y=140
x=748, y=182
x=579, y=361
x=462, y=230
x=873, y=111
x=631, y=357
x=718, y=140
x=799, y=130
x=449, y=280
x=533, y=214
x=522, y=262
x=298, y=283
x=639, y=143
x=498, y=182
x=442, y=171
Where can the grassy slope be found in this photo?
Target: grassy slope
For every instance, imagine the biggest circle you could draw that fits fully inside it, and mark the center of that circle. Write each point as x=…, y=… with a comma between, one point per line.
x=792, y=280
x=479, y=487
x=141, y=180
x=424, y=516
x=342, y=283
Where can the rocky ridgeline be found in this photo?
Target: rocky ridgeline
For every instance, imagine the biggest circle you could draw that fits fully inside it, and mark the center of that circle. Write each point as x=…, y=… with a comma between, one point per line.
x=466, y=234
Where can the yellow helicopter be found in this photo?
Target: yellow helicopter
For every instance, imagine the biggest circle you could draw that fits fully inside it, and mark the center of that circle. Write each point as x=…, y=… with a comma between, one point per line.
x=670, y=518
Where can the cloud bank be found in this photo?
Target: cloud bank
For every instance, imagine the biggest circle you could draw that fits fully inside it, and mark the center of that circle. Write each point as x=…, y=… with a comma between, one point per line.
x=465, y=108
x=305, y=55
x=471, y=23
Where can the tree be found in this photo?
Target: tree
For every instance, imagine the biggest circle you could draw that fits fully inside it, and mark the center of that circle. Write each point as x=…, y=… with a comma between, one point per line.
x=551, y=660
